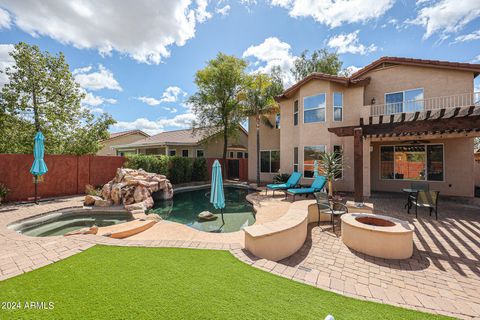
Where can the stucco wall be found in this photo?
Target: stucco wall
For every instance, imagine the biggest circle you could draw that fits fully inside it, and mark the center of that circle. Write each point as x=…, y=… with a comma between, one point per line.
x=214, y=147
x=434, y=81
x=458, y=164
x=477, y=172
x=269, y=140
x=107, y=149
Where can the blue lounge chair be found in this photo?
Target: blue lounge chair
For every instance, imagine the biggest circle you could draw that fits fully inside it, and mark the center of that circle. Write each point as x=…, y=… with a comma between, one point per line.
x=291, y=183
x=317, y=185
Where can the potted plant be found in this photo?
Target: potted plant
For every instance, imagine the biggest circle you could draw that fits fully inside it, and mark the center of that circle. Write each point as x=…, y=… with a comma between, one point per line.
x=331, y=166
x=3, y=192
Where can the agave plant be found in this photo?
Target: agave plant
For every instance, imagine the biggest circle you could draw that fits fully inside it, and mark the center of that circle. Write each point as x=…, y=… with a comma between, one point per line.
x=331, y=166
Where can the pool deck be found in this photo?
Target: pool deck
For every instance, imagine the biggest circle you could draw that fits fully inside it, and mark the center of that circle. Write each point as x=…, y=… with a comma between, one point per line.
x=443, y=275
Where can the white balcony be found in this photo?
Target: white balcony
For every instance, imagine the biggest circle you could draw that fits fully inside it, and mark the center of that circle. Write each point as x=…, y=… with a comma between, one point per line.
x=435, y=103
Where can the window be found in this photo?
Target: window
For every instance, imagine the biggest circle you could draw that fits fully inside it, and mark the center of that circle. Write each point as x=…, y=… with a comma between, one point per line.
x=337, y=106
x=172, y=153
x=314, y=108
x=245, y=155
x=435, y=162
x=199, y=153
x=277, y=121
x=185, y=153
x=404, y=101
x=295, y=159
x=339, y=153
x=295, y=113
x=310, y=154
x=231, y=154
x=269, y=161
x=239, y=155
x=412, y=162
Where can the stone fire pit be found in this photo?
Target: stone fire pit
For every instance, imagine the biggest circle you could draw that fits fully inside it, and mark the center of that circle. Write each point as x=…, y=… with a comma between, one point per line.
x=377, y=235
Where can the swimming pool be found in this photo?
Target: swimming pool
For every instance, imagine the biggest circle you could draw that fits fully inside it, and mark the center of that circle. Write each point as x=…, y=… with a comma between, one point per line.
x=61, y=222
x=186, y=205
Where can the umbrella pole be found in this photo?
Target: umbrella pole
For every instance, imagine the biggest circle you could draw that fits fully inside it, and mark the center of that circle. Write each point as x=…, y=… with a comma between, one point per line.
x=36, y=189
x=221, y=211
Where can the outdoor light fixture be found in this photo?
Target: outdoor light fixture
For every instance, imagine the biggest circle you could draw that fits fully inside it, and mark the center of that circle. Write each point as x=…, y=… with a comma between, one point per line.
x=373, y=101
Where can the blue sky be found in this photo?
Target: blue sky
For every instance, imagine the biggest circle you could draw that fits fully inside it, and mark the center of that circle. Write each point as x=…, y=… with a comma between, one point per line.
x=136, y=60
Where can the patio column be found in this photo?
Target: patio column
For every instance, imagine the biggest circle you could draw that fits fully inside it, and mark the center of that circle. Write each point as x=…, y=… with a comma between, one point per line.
x=358, y=164
x=366, y=167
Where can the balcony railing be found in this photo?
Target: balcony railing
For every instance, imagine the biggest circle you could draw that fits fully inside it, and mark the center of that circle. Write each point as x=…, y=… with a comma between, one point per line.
x=435, y=103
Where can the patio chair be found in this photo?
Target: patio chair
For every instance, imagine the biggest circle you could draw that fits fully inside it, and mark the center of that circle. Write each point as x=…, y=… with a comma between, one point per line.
x=292, y=182
x=425, y=199
x=334, y=209
x=317, y=185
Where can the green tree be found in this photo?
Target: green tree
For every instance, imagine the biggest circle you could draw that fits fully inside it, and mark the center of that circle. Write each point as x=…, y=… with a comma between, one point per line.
x=320, y=60
x=41, y=94
x=216, y=104
x=331, y=166
x=259, y=103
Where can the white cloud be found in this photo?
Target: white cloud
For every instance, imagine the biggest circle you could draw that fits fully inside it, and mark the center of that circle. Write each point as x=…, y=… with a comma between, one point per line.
x=350, y=43
x=348, y=71
x=201, y=12
x=171, y=94
x=475, y=35
x=446, y=16
x=172, y=109
x=335, y=13
x=144, y=31
x=224, y=11
x=5, y=61
x=101, y=79
x=270, y=53
x=5, y=20
x=476, y=59
x=156, y=126
x=92, y=100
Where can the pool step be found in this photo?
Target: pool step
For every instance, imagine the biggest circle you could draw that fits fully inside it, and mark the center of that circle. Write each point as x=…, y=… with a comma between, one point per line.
x=127, y=229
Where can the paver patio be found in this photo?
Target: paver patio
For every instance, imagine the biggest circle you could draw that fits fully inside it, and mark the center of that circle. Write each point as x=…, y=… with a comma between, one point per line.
x=443, y=276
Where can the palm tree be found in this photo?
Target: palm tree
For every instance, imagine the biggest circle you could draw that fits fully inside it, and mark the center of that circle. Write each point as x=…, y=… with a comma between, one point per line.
x=258, y=102
x=331, y=166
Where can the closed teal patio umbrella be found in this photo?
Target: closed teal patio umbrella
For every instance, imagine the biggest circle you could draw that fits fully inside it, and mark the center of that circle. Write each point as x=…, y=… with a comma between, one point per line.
x=39, y=167
x=315, y=169
x=217, y=198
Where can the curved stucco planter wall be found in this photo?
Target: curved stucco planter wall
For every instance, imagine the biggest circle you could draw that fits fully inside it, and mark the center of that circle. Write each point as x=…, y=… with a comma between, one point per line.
x=388, y=242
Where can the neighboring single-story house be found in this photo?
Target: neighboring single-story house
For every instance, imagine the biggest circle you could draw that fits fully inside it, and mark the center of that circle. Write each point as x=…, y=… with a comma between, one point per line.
x=116, y=138
x=186, y=143
x=394, y=121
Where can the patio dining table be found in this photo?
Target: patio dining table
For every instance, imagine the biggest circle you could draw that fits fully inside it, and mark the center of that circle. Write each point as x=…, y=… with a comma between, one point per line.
x=409, y=192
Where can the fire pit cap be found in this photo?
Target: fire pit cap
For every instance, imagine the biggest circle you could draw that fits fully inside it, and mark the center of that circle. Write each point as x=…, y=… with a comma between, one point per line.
x=377, y=222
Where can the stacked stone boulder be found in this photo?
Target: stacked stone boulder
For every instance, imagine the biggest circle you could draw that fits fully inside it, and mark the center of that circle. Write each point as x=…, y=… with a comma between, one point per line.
x=135, y=189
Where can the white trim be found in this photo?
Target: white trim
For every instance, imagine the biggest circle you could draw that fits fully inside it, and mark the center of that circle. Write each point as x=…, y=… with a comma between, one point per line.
x=426, y=162
x=270, y=162
x=333, y=106
x=324, y=108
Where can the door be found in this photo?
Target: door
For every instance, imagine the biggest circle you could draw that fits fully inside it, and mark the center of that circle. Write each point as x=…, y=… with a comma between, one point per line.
x=233, y=169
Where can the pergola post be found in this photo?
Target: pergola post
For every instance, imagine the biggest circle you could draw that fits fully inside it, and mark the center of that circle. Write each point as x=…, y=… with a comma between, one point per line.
x=358, y=164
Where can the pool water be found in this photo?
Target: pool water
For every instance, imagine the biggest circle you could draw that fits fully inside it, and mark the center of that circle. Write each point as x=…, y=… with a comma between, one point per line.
x=60, y=223
x=185, y=207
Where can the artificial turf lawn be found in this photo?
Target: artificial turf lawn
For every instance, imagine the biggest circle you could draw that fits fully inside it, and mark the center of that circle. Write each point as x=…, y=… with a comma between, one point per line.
x=166, y=283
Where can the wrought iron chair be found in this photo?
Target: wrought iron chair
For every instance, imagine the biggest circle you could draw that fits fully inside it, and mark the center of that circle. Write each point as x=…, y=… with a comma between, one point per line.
x=425, y=199
x=325, y=205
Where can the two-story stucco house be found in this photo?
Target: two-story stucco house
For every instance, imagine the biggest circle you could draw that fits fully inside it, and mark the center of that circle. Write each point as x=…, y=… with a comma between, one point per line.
x=395, y=121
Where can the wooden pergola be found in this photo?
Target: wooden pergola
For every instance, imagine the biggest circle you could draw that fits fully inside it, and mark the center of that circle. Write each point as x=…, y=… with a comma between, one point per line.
x=460, y=120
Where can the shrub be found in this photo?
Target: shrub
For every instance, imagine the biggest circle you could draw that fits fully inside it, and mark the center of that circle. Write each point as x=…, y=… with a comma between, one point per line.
x=199, y=170
x=149, y=163
x=93, y=191
x=3, y=191
x=281, y=178
x=180, y=170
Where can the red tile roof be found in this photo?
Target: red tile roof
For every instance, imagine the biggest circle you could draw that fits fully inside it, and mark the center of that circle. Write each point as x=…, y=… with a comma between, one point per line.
x=356, y=79
x=125, y=133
